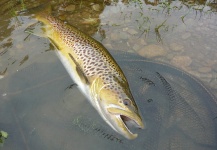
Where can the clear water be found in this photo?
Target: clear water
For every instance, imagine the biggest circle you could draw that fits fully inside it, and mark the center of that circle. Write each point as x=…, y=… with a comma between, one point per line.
x=33, y=83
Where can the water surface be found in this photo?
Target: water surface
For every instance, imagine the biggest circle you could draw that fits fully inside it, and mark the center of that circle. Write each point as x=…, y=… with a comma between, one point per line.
x=36, y=105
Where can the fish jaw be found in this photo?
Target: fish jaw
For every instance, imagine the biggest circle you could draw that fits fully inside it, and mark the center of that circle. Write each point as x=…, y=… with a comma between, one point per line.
x=117, y=114
x=119, y=118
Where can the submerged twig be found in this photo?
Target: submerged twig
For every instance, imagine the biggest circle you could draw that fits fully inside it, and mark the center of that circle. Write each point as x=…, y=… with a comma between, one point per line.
x=156, y=29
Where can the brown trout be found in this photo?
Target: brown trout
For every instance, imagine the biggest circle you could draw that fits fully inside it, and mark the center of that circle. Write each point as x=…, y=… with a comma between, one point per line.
x=95, y=72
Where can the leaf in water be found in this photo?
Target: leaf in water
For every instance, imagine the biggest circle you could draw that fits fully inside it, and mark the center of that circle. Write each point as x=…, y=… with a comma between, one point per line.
x=4, y=134
x=3, y=72
x=24, y=59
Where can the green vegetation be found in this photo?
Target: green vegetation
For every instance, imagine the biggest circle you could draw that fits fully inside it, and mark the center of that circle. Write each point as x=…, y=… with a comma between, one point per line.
x=3, y=136
x=22, y=4
x=157, y=28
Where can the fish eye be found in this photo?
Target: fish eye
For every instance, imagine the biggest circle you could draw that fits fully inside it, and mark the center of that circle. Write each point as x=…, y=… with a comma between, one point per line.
x=126, y=102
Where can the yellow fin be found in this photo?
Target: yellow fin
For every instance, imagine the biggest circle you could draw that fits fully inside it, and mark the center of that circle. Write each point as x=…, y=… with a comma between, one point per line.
x=79, y=70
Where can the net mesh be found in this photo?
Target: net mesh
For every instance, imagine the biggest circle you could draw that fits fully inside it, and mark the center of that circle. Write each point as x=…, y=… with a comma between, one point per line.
x=40, y=110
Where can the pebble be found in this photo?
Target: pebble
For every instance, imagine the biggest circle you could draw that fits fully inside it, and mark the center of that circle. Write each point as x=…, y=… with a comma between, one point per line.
x=206, y=77
x=198, y=29
x=214, y=67
x=142, y=42
x=70, y=8
x=132, y=31
x=213, y=27
x=204, y=69
x=124, y=35
x=190, y=22
x=194, y=73
x=176, y=47
x=96, y=7
x=114, y=36
x=170, y=56
x=1, y=76
x=205, y=29
x=181, y=61
x=186, y=36
x=136, y=47
x=125, y=29
x=213, y=84
x=152, y=51
x=200, y=24
x=4, y=94
x=108, y=46
x=19, y=46
x=207, y=48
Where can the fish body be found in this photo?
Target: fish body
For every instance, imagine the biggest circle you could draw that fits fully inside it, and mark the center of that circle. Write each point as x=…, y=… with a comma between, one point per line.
x=95, y=72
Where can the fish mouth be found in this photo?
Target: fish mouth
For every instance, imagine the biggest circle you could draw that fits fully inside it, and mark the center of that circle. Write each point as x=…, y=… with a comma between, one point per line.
x=123, y=121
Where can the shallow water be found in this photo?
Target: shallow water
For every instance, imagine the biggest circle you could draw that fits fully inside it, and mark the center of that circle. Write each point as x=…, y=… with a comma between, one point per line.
x=182, y=34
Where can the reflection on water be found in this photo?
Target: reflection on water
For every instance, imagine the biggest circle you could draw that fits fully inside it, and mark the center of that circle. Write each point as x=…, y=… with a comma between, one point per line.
x=180, y=33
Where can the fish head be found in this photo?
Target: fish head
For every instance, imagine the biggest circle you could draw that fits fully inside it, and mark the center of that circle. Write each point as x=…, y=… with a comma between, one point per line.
x=119, y=110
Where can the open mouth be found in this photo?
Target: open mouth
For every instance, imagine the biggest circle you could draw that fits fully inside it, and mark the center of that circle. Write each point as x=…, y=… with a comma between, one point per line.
x=130, y=122
x=125, y=122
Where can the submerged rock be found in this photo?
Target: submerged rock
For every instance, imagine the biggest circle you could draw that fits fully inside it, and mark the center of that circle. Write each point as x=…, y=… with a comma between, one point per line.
x=152, y=51
x=204, y=69
x=214, y=67
x=124, y=36
x=70, y=8
x=186, y=35
x=96, y=7
x=176, y=47
x=115, y=36
x=132, y=31
x=206, y=77
x=181, y=61
x=136, y=47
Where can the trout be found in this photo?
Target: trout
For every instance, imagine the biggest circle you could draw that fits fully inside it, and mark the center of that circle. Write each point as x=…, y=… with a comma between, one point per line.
x=94, y=70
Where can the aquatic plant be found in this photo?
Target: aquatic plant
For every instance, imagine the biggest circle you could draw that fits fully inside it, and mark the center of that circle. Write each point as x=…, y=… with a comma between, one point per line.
x=3, y=136
x=156, y=29
x=23, y=4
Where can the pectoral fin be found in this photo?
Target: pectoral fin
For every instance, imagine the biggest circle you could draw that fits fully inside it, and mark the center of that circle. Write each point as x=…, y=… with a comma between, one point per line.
x=79, y=70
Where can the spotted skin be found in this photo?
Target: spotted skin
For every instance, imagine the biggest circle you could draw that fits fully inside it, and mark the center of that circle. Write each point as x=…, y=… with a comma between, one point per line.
x=93, y=57
x=95, y=72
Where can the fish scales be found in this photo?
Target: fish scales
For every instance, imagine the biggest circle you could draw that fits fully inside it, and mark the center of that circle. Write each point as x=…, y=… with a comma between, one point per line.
x=95, y=72
x=95, y=61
